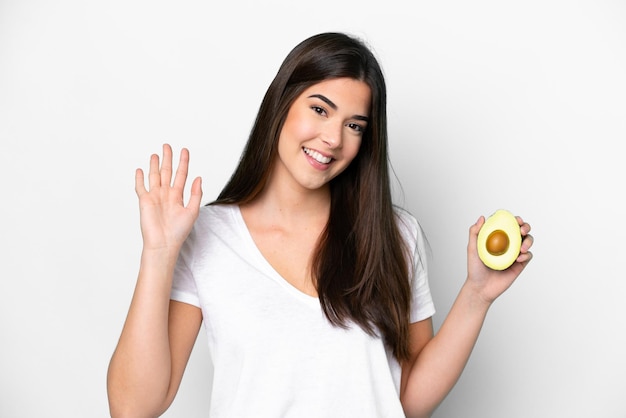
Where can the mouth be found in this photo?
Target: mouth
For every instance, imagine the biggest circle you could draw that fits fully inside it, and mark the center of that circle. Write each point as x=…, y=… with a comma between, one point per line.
x=322, y=159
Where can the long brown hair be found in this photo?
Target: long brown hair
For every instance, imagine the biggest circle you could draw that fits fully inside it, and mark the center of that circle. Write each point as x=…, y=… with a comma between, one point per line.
x=361, y=263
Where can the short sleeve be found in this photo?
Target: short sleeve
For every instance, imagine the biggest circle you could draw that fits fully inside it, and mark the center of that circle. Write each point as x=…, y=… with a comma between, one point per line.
x=422, y=305
x=184, y=285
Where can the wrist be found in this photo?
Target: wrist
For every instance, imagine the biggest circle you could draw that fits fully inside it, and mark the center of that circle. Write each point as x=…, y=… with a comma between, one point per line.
x=162, y=257
x=474, y=296
x=156, y=271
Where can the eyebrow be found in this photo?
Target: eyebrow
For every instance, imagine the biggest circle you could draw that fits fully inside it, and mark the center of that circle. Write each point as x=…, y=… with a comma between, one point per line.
x=334, y=106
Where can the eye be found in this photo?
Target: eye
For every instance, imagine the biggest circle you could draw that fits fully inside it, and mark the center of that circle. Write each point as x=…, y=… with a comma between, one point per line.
x=356, y=127
x=319, y=110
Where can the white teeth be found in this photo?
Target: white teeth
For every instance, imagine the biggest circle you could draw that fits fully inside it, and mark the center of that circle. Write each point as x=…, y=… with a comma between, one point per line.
x=317, y=156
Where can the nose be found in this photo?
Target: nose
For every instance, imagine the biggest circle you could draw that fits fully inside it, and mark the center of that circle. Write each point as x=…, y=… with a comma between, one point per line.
x=332, y=135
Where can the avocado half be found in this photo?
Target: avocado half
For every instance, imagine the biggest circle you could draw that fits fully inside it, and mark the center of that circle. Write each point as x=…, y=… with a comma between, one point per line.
x=499, y=240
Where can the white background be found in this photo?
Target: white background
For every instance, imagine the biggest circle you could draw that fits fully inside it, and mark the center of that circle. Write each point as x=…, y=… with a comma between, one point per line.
x=519, y=105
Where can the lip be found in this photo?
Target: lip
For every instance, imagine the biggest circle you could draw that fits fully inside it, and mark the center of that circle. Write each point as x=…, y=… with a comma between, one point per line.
x=316, y=164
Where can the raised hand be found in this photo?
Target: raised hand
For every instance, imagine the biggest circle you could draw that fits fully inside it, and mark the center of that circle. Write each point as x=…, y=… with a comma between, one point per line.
x=165, y=220
x=491, y=283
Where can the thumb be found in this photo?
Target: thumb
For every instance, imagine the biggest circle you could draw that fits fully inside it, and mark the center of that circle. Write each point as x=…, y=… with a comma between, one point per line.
x=473, y=234
x=196, y=194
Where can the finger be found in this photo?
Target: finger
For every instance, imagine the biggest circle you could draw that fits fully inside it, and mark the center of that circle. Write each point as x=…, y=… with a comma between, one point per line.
x=524, y=227
x=154, y=178
x=196, y=194
x=166, y=165
x=140, y=187
x=476, y=227
x=473, y=233
x=524, y=258
x=527, y=243
x=182, y=170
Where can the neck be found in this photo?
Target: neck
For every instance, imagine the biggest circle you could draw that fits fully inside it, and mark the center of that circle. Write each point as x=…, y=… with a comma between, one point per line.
x=287, y=205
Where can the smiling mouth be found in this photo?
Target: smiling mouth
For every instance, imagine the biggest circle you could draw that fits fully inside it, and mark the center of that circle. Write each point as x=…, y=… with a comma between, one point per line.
x=317, y=156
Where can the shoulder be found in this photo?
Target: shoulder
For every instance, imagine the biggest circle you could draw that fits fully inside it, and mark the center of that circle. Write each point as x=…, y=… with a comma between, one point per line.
x=217, y=227
x=412, y=233
x=404, y=217
x=213, y=220
x=212, y=216
x=217, y=211
x=408, y=225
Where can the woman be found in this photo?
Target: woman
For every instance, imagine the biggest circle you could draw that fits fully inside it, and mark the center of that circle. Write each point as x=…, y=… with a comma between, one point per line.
x=312, y=287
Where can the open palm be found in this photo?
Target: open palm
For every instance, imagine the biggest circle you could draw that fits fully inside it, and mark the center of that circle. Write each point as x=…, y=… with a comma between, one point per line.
x=164, y=218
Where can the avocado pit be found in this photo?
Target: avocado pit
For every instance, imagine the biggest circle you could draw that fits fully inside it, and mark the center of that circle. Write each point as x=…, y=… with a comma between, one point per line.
x=497, y=242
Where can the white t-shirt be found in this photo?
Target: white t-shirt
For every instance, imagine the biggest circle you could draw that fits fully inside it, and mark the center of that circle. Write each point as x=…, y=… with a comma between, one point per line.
x=274, y=352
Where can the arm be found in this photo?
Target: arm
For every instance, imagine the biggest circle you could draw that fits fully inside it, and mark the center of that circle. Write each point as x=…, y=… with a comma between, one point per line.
x=437, y=363
x=158, y=335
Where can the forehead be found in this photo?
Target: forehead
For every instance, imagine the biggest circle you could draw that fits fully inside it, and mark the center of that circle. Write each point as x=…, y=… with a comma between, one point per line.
x=348, y=94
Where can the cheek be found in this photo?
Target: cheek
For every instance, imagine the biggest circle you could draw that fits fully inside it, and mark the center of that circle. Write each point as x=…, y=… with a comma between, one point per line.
x=298, y=127
x=305, y=130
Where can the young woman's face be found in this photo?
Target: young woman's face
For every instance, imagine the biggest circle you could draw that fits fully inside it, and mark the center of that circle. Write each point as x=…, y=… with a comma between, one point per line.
x=322, y=132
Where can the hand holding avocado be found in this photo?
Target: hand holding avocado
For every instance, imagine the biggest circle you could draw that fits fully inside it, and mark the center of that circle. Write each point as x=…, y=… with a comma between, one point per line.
x=498, y=251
